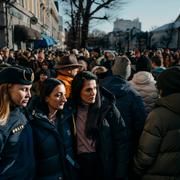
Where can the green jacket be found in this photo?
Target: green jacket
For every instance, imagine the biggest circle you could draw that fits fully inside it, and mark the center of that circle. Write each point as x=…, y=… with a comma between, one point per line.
x=158, y=156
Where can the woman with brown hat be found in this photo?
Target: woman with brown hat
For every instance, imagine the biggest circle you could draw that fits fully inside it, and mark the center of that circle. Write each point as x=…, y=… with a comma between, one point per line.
x=16, y=142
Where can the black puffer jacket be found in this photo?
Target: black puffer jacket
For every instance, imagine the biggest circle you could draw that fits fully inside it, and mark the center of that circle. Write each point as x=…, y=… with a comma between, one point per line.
x=112, y=143
x=158, y=156
x=50, y=146
x=16, y=148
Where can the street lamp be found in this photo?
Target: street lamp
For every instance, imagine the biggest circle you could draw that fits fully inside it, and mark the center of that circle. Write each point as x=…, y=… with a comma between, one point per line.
x=127, y=37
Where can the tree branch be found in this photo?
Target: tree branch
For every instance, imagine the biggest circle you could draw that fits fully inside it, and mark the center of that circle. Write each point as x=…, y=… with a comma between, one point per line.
x=100, y=18
x=102, y=5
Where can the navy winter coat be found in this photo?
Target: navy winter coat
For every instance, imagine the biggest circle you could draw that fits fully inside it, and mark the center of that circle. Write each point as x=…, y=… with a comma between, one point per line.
x=53, y=146
x=129, y=103
x=16, y=148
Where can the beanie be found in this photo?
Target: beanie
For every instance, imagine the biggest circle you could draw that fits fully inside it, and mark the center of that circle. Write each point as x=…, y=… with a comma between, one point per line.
x=16, y=75
x=143, y=64
x=122, y=67
x=169, y=81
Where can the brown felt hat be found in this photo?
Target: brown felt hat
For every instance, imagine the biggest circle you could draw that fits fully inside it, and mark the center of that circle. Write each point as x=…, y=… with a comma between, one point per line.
x=68, y=62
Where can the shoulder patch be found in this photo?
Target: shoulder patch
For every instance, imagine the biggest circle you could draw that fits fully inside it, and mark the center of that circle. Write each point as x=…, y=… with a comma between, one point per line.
x=17, y=128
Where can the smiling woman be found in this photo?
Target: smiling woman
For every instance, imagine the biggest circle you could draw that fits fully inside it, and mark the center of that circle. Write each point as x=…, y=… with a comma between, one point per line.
x=53, y=139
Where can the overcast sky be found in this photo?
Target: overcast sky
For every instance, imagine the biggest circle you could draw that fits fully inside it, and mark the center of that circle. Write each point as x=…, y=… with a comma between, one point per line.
x=151, y=13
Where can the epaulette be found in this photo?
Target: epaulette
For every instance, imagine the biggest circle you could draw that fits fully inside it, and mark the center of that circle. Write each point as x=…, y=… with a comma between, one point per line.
x=17, y=128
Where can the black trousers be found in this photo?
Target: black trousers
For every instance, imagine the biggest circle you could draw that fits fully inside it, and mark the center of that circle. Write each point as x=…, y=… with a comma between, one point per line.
x=90, y=166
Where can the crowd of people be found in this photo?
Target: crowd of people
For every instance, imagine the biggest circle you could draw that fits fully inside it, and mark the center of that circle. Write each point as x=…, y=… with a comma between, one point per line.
x=80, y=115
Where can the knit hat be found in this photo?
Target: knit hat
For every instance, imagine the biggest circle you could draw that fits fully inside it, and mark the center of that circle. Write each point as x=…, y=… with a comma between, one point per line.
x=143, y=64
x=122, y=67
x=16, y=75
x=169, y=81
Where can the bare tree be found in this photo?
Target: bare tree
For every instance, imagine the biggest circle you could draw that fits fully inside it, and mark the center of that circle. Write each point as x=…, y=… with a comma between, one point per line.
x=82, y=12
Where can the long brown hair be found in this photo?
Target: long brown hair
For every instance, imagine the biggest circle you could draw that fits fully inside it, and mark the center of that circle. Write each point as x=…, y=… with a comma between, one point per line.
x=4, y=104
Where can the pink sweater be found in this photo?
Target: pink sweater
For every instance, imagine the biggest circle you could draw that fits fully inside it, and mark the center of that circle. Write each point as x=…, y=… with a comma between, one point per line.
x=84, y=145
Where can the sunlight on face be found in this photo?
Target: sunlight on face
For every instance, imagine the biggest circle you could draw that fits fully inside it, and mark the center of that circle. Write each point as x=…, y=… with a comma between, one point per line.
x=89, y=91
x=20, y=94
x=57, y=98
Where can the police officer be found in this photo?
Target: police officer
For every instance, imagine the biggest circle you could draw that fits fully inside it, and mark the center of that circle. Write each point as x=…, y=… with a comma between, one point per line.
x=16, y=143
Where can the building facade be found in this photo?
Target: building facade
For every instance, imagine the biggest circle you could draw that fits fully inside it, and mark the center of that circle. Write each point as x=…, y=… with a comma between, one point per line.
x=167, y=36
x=124, y=36
x=23, y=23
x=127, y=36
x=124, y=25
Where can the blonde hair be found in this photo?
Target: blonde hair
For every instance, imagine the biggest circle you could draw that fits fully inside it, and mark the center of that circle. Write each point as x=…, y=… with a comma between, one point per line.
x=4, y=104
x=86, y=54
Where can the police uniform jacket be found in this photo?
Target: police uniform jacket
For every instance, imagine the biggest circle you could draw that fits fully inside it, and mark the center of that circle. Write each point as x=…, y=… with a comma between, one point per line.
x=16, y=148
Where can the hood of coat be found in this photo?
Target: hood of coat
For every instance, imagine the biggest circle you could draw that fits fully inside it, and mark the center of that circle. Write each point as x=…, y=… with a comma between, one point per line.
x=171, y=102
x=143, y=77
x=106, y=96
x=37, y=113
